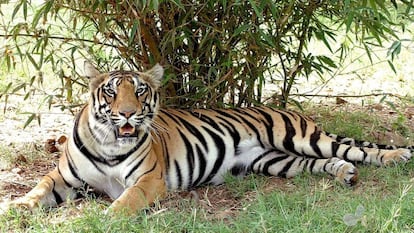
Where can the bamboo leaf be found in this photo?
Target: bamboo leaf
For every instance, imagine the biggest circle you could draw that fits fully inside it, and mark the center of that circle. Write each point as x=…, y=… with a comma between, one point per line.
x=7, y=87
x=19, y=87
x=29, y=119
x=241, y=29
x=268, y=38
x=349, y=20
x=8, y=61
x=39, y=119
x=298, y=105
x=16, y=9
x=179, y=4
x=42, y=12
x=394, y=50
x=368, y=52
x=49, y=101
x=328, y=61
x=321, y=36
x=394, y=3
x=373, y=4
x=384, y=9
x=32, y=79
x=31, y=59
x=392, y=67
x=256, y=8
x=37, y=16
x=6, y=99
x=383, y=99
x=133, y=32
x=27, y=95
x=392, y=105
x=154, y=5
x=25, y=9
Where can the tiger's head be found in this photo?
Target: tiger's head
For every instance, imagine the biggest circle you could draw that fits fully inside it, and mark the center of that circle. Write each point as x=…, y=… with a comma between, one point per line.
x=124, y=101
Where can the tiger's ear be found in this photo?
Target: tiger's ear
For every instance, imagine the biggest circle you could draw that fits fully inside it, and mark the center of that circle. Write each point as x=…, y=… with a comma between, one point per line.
x=90, y=70
x=154, y=75
x=95, y=77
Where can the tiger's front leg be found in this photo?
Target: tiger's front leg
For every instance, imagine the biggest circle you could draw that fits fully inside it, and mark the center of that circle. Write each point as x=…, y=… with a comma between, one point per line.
x=49, y=192
x=146, y=190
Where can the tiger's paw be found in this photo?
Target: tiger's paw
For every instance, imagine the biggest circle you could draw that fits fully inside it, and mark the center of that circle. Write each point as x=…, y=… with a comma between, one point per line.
x=5, y=207
x=20, y=203
x=347, y=174
x=118, y=208
x=395, y=156
x=115, y=207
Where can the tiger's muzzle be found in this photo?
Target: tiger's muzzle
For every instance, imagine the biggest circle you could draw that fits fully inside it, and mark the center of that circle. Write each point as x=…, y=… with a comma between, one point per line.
x=127, y=125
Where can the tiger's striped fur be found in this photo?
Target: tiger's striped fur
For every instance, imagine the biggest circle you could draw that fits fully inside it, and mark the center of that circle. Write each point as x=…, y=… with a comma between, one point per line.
x=125, y=146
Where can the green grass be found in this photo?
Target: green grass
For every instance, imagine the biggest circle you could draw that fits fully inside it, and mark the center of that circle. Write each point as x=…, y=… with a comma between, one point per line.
x=364, y=123
x=382, y=201
x=340, y=122
x=315, y=204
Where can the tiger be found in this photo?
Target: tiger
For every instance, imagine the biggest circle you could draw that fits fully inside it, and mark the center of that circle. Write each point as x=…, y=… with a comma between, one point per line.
x=124, y=145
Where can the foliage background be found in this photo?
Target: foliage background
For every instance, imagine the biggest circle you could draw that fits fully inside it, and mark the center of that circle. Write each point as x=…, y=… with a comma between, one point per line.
x=217, y=53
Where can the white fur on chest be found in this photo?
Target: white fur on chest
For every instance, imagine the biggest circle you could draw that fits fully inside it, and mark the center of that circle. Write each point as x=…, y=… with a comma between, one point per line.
x=103, y=177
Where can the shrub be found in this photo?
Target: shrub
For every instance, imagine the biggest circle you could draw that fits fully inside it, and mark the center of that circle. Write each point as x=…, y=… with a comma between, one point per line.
x=216, y=53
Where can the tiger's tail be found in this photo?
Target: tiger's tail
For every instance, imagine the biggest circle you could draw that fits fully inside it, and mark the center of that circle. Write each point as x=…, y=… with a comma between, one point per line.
x=360, y=143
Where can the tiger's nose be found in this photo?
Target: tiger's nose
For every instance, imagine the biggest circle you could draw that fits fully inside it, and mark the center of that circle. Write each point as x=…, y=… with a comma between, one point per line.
x=127, y=113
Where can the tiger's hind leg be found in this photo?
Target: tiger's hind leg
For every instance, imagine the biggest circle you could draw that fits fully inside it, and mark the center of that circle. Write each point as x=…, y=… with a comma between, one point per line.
x=277, y=163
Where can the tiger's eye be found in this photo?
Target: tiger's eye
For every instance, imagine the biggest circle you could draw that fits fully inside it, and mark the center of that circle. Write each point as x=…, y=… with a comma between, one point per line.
x=109, y=91
x=141, y=89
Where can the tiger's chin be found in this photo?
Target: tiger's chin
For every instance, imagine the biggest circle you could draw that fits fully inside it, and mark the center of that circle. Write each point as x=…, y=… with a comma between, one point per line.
x=125, y=141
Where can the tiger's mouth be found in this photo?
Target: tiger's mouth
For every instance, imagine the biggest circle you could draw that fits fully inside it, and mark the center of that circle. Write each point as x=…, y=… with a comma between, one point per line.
x=126, y=131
